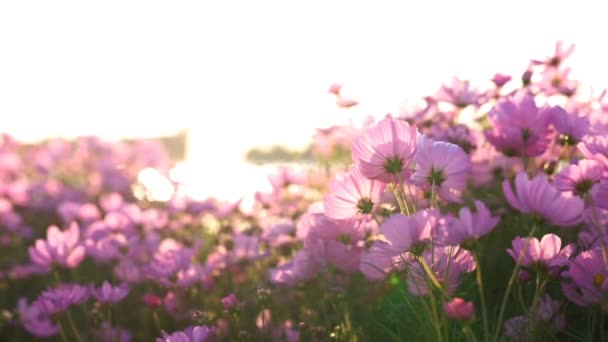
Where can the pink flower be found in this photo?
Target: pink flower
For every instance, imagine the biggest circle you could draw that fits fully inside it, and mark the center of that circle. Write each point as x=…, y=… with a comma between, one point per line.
x=561, y=53
x=459, y=93
x=352, y=196
x=581, y=178
x=59, y=299
x=519, y=127
x=459, y=310
x=469, y=226
x=538, y=197
x=595, y=147
x=571, y=126
x=547, y=252
x=109, y=294
x=335, y=88
x=199, y=333
x=229, y=301
x=588, y=274
x=405, y=232
x=377, y=261
x=345, y=102
x=34, y=321
x=447, y=264
x=60, y=247
x=441, y=164
x=385, y=150
x=500, y=79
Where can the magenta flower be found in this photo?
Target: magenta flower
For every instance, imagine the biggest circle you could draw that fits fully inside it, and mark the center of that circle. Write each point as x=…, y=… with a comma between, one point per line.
x=109, y=294
x=588, y=274
x=60, y=298
x=582, y=178
x=441, y=164
x=547, y=252
x=34, y=321
x=595, y=147
x=469, y=226
x=571, y=127
x=561, y=53
x=230, y=301
x=199, y=333
x=538, y=197
x=519, y=127
x=385, y=150
x=459, y=93
x=60, y=247
x=459, y=310
x=447, y=264
x=406, y=232
x=352, y=196
x=377, y=261
x=500, y=79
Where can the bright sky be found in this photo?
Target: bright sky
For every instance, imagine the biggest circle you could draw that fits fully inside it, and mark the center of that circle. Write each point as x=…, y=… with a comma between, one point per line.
x=243, y=73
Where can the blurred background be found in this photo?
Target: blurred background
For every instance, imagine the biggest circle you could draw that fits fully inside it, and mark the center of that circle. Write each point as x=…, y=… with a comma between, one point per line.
x=216, y=79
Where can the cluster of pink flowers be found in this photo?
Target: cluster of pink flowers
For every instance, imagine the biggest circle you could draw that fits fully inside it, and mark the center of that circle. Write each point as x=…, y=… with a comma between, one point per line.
x=486, y=207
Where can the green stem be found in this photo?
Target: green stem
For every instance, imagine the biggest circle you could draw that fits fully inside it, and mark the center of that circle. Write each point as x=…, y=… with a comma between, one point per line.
x=503, y=306
x=468, y=333
x=484, y=310
x=61, y=331
x=402, y=203
x=73, y=326
x=429, y=272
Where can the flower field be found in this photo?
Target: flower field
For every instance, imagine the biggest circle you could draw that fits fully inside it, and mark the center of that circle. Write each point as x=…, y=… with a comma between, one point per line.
x=479, y=215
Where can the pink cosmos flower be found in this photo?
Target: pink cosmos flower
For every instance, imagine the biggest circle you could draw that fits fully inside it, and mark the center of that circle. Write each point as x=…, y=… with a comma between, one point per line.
x=405, y=232
x=441, y=164
x=335, y=88
x=469, y=226
x=538, y=197
x=377, y=261
x=229, y=301
x=571, y=126
x=109, y=294
x=595, y=147
x=458, y=309
x=500, y=79
x=60, y=247
x=581, y=178
x=385, y=150
x=459, y=93
x=561, y=53
x=352, y=196
x=519, y=127
x=34, y=321
x=200, y=333
x=59, y=299
x=447, y=264
x=588, y=274
x=546, y=252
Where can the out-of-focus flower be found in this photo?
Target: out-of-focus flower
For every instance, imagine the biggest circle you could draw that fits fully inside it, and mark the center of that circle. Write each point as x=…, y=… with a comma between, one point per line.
x=459, y=309
x=459, y=93
x=60, y=298
x=230, y=301
x=199, y=333
x=405, y=232
x=538, y=197
x=468, y=226
x=60, y=247
x=547, y=252
x=519, y=127
x=108, y=293
x=582, y=178
x=385, y=150
x=588, y=279
x=443, y=165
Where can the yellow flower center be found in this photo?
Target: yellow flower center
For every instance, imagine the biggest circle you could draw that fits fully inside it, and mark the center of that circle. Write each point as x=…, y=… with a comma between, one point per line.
x=598, y=280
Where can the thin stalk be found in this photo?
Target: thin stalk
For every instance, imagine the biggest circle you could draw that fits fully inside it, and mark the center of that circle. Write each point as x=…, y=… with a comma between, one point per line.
x=484, y=309
x=503, y=306
x=468, y=333
x=61, y=331
x=596, y=223
x=73, y=327
x=429, y=272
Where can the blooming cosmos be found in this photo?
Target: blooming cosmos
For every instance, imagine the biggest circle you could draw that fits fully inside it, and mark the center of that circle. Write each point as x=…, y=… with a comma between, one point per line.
x=538, y=197
x=352, y=196
x=60, y=247
x=443, y=165
x=385, y=150
x=546, y=252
